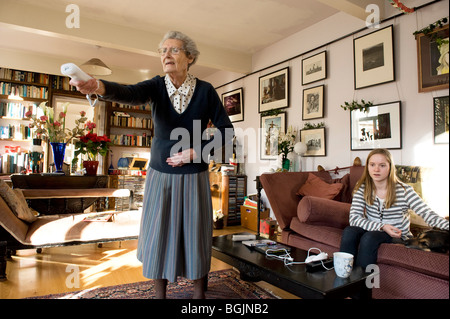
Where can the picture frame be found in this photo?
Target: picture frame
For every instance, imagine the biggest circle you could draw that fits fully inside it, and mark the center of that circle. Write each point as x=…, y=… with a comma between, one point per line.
x=274, y=90
x=315, y=140
x=139, y=163
x=441, y=119
x=379, y=127
x=373, y=57
x=233, y=102
x=314, y=68
x=271, y=125
x=430, y=61
x=313, y=103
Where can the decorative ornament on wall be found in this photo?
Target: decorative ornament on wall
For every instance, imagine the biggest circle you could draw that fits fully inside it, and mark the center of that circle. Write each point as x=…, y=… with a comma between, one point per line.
x=397, y=4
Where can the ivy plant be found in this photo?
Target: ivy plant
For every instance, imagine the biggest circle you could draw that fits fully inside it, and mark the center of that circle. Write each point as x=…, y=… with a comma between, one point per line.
x=430, y=32
x=354, y=105
x=309, y=126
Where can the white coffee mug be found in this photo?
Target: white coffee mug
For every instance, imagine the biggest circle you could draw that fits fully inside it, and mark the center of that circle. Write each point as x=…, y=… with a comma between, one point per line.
x=343, y=264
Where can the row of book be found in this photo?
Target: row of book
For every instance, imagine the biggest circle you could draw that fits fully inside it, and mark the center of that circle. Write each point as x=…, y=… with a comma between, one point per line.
x=62, y=83
x=144, y=107
x=13, y=162
x=131, y=140
x=31, y=91
x=16, y=132
x=125, y=120
x=23, y=76
x=16, y=110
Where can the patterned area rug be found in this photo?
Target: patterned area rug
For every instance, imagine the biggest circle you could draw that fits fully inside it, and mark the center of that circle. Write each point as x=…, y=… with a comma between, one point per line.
x=223, y=284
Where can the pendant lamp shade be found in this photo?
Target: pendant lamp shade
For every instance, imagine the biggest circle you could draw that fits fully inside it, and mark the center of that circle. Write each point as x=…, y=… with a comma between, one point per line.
x=95, y=67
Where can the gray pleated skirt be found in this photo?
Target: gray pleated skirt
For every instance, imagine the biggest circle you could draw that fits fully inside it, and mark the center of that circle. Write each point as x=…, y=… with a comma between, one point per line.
x=176, y=228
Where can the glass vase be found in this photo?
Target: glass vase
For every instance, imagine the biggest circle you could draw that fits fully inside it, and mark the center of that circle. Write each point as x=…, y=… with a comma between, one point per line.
x=286, y=164
x=59, y=150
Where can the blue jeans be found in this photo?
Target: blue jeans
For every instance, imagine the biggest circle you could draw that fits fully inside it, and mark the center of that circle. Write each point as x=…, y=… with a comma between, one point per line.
x=363, y=244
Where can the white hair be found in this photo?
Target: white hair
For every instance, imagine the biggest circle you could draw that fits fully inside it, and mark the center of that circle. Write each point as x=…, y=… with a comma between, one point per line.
x=189, y=45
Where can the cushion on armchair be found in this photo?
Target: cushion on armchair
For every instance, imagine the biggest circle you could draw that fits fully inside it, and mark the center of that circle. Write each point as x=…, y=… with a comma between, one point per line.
x=323, y=212
x=16, y=202
x=315, y=186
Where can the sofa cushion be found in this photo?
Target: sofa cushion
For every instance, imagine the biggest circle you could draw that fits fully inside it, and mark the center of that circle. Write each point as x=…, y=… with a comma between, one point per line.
x=280, y=189
x=346, y=194
x=16, y=202
x=13, y=225
x=314, y=186
x=323, y=234
x=323, y=212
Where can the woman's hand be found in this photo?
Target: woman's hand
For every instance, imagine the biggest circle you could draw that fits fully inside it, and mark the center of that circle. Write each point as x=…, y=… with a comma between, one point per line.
x=89, y=87
x=392, y=231
x=182, y=158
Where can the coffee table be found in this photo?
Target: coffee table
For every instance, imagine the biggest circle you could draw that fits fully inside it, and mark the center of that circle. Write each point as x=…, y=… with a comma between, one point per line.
x=255, y=266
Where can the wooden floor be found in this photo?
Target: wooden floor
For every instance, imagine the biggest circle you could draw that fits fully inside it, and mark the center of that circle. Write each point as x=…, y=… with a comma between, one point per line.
x=55, y=270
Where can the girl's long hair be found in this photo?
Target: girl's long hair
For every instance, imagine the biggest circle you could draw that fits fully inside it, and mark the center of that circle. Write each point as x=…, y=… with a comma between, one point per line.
x=369, y=191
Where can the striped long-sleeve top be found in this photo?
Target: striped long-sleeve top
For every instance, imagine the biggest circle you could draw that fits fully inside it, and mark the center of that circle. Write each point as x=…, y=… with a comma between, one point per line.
x=374, y=217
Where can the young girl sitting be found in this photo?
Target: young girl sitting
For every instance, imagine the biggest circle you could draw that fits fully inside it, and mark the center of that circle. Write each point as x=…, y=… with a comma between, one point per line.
x=379, y=211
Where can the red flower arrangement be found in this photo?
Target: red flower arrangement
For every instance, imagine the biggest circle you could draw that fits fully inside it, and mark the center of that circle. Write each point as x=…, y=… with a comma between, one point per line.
x=89, y=143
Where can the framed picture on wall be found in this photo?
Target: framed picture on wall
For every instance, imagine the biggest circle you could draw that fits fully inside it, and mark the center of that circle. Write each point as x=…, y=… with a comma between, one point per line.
x=274, y=90
x=374, y=58
x=313, y=103
x=233, y=102
x=314, y=68
x=433, y=60
x=441, y=121
x=379, y=127
x=271, y=126
x=315, y=142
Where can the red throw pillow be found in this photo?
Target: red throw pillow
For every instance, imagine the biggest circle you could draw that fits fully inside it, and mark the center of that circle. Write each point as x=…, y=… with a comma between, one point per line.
x=314, y=186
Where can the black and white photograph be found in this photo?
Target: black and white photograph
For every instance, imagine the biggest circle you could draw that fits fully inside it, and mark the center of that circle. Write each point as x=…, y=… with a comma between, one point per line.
x=314, y=68
x=379, y=127
x=274, y=90
x=315, y=142
x=313, y=103
x=374, y=58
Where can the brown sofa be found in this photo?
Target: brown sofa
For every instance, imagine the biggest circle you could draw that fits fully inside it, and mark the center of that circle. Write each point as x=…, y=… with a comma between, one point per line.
x=310, y=221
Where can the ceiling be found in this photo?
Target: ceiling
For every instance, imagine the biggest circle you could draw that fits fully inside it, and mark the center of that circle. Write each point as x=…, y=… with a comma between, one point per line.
x=126, y=34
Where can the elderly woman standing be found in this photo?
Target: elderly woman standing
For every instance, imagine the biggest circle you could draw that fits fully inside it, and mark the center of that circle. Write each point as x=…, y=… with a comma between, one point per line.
x=176, y=227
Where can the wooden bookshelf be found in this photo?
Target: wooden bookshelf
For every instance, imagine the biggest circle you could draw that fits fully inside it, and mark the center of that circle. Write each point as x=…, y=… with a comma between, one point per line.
x=128, y=127
x=29, y=90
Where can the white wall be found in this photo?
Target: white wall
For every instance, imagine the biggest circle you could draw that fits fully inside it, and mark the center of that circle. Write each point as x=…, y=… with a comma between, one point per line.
x=417, y=108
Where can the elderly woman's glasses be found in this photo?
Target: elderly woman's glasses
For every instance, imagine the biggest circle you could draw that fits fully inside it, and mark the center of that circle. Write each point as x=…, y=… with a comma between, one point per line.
x=174, y=51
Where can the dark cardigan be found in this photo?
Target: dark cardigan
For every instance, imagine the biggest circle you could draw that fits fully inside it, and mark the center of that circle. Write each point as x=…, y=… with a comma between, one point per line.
x=174, y=132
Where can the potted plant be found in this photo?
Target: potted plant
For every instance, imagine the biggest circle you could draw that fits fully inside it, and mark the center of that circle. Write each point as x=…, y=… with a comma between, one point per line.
x=218, y=219
x=54, y=129
x=89, y=144
x=286, y=143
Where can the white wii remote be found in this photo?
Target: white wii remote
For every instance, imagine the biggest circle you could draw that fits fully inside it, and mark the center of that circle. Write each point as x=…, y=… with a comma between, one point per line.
x=70, y=69
x=243, y=237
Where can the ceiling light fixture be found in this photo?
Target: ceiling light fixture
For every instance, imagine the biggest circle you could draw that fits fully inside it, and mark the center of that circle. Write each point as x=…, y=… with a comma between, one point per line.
x=95, y=67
